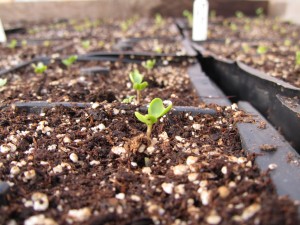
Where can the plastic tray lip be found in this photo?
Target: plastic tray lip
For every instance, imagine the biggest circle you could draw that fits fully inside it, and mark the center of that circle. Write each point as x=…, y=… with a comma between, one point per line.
x=246, y=68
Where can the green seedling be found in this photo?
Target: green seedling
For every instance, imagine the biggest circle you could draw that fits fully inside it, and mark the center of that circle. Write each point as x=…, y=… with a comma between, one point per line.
x=239, y=14
x=213, y=14
x=287, y=42
x=128, y=100
x=24, y=43
x=13, y=44
x=149, y=64
x=46, y=43
x=189, y=16
x=86, y=44
x=233, y=27
x=262, y=49
x=158, y=49
x=138, y=84
x=227, y=41
x=101, y=44
x=298, y=58
x=245, y=47
x=3, y=82
x=259, y=12
x=69, y=61
x=159, y=21
x=247, y=27
x=126, y=24
x=155, y=111
x=39, y=68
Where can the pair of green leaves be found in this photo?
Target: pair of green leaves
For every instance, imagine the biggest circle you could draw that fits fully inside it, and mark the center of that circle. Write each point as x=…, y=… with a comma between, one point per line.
x=149, y=64
x=137, y=80
x=69, y=61
x=39, y=68
x=155, y=111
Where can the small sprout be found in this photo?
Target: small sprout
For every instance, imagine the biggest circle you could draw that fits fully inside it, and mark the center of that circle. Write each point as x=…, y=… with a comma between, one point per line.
x=262, y=49
x=149, y=64
x=128, y=100
x=259, y=12
x=86, y=44
x=158, y=49
x=46, y=43
x=247, y=27
x=275, y=27
x=298, y=58
x=39, y=68
x=213, y=14
x=101, y=44
x=124, y=26
x=24, y=43
x=138, y=84
x=155, y=111
x=3, y=82
x=13, y=44
x=287, y=42
x=159, y=21
x=246, y=47
x=233, y=27
x=189, y=16
x=227, y=41
x=69, y=61
x=239, y=14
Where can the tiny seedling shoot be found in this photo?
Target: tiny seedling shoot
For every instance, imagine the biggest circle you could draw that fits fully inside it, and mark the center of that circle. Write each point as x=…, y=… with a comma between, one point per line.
x=3, y=81
x=69, y=61
x=149, y=64
x=298, y=59
x=39, y=68
x=189, y=16
x=159, y=21
x=86, y=44
x=138, y=84
x=128, y=100
x=13, y=44
x=155, y=111
x=262, y=49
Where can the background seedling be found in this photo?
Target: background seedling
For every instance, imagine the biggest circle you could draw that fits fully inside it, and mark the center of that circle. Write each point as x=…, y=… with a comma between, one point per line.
x=138, y=84
x=155, y=111
x=159, y=21
x=86, y=44
x=13, y=44
x=39, y=68
x=3, y=82
x=149, y=64
x=212, y=14
x=239, y=14
x=259, y=12
x=189, y=16
x=128, y=100
x=69, y=61
x=298, y=58
x=262, y=49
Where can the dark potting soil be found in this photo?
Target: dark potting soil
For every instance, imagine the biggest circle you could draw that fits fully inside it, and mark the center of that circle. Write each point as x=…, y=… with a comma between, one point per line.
x=95, y=166
x=58, y=83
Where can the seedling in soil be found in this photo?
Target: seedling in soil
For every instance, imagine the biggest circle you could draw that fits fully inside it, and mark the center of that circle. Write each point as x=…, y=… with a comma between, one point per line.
x=233, y=27
x=46, y=43
x=138, y=84
x=213, y=14
x=189, y=16
x=159, y=21
x=86, y=44
x=3, y=82
x=39, y=68
x=158, y=49
x=23, y=43
x=13, y=44
x=246, y=48
x=287, y=42
x=128, y=100
x=101, y=44
x=126, y=24
x=298, y=58
x=239, y=14
x=69, y=61
x=259, y=12
x=262, y=49
x=155, y=111
x=149, y=64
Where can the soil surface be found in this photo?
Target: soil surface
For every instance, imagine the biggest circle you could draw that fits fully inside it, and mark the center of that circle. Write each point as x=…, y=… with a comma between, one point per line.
x=58, y=83
x=95, y=166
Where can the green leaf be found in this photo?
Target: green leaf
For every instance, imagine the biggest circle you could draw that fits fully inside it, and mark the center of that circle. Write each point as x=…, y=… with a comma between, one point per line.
x=69, y=61
x=39, y=68
x=86, y=44
x=259, y=11
x=136, y=77
x=13, y=43
x=149, y=64
x=262, y=49
x=141, y=86
x=298, y=58
x=3, y=82
x=157, y=109
x=239, y=14
x=146, y=119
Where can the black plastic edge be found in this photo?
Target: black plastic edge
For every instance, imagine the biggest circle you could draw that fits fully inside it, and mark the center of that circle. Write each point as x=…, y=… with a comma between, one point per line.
x=206, y=89
x=249, y=84
x=286, y=177
x=38, y=106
